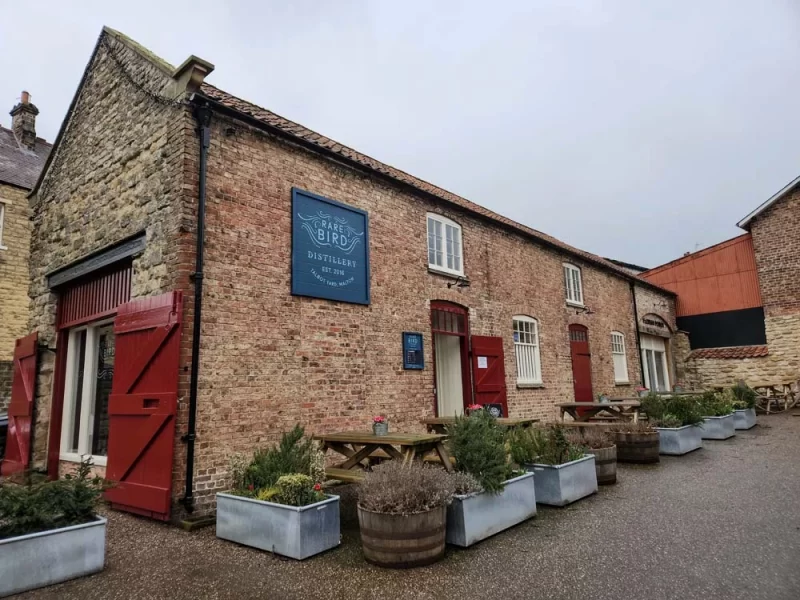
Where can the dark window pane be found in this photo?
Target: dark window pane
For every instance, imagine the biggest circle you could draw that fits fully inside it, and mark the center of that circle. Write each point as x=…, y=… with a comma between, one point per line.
x=78, y=391
x=105, y=373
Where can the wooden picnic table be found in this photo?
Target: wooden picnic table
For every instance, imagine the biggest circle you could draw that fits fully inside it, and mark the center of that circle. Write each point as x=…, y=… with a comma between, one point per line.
x=360, y=448
x=584, y=411
x=439, y=424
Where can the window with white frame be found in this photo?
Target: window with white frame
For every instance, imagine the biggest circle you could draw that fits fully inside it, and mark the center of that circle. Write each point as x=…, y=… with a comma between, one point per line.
x=87, y=387
x=620, y=360
x=572, y=281
x=444, y=245
x=2, y=216
x=526, y=349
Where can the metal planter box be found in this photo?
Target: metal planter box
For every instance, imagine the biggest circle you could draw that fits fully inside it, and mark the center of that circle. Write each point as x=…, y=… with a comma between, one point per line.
x=293, y=531
x=744, y=418
x=679, y=440
x=559, y=485
x=718, y=428
x=35, y=560
x=475, y=517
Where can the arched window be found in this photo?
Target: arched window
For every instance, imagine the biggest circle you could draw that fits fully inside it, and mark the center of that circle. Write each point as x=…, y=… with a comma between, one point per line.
x=573, y=284
x=619, y=356
x=526, y=349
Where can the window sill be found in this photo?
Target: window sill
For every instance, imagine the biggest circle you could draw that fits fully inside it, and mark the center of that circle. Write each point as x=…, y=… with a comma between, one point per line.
x=622, y=383
x=3, y=247
x=530, y=386
x=575, y=304
x=97, y=461
x=443, y=273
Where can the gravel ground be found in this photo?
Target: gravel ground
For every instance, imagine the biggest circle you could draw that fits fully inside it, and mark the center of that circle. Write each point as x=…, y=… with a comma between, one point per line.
x=720, y=523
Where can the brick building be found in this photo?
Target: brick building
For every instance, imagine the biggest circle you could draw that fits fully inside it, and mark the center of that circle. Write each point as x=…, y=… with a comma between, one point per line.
x=22, y=156
x=739, y=300
x=316, y=262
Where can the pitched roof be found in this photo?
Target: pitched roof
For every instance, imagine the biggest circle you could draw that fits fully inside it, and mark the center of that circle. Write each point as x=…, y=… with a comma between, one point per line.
x=18, y=165
x=730, y=352
x=769, y=202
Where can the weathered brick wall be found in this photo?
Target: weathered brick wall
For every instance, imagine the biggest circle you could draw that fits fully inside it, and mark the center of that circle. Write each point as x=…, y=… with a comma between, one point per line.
x=116, y=172
x=270, y=360
x=13, y=280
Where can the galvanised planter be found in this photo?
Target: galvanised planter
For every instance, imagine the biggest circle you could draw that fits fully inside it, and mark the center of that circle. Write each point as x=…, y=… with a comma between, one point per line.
x=679, y=440
x=475, y=517
x=35, y=560
x=559, y=485
x=294, y=531
x=718, y=428
x=744, y=418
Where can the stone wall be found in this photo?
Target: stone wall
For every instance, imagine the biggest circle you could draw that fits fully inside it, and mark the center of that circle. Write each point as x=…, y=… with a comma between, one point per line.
x=14, y=252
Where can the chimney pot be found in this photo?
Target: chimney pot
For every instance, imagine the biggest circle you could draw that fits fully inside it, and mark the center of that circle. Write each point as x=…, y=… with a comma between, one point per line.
x=23, y=121
x=26, y=98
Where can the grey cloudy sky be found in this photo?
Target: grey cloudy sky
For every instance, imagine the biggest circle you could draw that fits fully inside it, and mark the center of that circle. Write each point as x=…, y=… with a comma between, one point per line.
x=633, y=129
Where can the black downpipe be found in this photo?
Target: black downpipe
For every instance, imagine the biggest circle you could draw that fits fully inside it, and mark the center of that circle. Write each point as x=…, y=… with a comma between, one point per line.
x=638, y=337
x=202, y=113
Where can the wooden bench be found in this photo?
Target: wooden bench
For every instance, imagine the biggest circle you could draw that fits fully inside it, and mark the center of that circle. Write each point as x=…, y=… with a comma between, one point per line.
x=346, y=475
x=587, y=423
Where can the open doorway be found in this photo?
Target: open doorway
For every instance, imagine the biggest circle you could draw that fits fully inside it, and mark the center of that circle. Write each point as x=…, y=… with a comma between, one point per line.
x=450, y=332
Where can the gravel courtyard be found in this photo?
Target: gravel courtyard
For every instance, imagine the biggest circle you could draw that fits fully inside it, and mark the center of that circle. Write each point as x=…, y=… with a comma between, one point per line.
x=721, y=523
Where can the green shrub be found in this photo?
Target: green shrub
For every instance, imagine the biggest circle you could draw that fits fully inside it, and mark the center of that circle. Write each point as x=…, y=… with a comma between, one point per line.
x=590, y=438
x=742, y=396
x=297, y=490
x=477, y=443
x=397, y=489
x=673, y=411
x=548, y=446
x=713, y=404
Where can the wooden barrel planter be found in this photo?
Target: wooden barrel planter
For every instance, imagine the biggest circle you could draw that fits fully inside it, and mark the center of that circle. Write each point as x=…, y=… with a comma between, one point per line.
x=403, y=541
x=640, y=447
x=605, y=464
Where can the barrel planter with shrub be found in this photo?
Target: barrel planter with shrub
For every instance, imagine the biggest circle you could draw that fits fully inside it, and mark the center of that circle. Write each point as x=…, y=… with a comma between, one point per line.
x=600, y=444
x=636, y=443
x=677, y=420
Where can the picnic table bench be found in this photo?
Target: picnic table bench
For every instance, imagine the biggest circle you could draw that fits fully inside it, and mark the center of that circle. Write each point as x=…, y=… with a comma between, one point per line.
x=360, y=449
x=439, y=424
x=626, y=410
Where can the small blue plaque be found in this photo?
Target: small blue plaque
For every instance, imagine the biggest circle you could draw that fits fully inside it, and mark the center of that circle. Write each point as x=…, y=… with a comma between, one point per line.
x=413, y=355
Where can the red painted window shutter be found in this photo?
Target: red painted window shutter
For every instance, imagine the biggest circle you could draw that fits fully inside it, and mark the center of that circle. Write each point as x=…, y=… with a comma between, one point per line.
x=489, y=376
x=20, y=410
x=143, y=404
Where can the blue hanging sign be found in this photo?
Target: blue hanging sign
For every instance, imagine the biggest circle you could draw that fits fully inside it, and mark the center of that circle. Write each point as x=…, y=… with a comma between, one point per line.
x=413, y=355
x=330, y=249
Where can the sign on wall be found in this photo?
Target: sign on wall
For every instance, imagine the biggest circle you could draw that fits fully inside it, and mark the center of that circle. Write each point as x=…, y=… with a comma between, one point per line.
x=330, y=249
x=413, y=355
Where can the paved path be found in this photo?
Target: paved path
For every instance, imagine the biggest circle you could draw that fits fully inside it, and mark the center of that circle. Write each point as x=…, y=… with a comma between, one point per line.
x=721, y=523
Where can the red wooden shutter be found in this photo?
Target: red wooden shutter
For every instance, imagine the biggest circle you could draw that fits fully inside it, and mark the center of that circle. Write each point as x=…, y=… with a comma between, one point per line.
x=489, y=371
x=20, y=410
x=143, y=403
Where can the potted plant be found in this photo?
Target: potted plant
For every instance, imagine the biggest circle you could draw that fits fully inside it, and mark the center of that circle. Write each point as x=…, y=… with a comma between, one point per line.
x=600, y=444
x=677, y=420
x=642, y=391
x=563, y=472
x=380, y=426
x=402, y=514
x=718, y=419
x=603, y=398
x=473, y=408
x=50, y=530
x=493, y=496
x=277, y=502
x=636, y=442
x=744, y=405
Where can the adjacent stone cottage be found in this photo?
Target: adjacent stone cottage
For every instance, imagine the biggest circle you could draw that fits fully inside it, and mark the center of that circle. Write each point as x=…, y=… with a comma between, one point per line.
x=334, y=288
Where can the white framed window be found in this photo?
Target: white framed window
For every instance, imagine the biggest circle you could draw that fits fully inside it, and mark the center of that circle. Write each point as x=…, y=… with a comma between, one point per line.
x=526, y=349
x=444, y=245
x=87, y=387
x=619, y=357
x=654, y=361
x=2, y=217
x=573, y=284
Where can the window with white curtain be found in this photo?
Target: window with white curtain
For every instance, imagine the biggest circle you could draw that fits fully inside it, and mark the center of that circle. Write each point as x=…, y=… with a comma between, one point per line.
x=573, y=284
x=444, y=245
x=526, y=349
x=620, y=360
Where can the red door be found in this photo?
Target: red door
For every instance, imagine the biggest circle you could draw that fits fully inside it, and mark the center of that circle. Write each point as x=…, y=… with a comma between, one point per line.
x=20, y=410
x=143, y=403
x=489, y=372
x=581, y=363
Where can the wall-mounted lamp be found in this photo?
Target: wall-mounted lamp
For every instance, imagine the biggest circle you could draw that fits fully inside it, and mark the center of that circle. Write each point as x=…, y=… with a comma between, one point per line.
x=460, y=282
x=583, y=309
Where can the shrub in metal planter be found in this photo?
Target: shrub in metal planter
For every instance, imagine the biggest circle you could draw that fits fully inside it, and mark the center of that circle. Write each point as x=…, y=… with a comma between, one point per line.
x=744, y=418
x=676, y=441
x=475, y=517
x=39, y=559
x=718, y=428
x=559, y=485
x=294, y=531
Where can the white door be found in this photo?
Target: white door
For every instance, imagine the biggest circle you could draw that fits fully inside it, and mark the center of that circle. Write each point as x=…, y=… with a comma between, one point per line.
x=654, y=361
x=449, y=384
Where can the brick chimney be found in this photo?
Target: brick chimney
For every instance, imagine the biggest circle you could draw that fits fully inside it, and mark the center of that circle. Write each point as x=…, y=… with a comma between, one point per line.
x=23, y=121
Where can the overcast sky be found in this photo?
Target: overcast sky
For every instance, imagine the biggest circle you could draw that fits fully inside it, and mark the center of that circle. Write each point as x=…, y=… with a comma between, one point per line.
x=637, y=130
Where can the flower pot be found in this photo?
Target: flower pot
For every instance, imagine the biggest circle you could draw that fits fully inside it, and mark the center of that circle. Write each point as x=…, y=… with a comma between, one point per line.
x=403, y=541
x=744, y=418
x=475, y=517
x=639, y=447
x=294, y=531
x=676, y=441
x=35, y=560
x=559, y=485
x=718, y=428
x=380, y=428
x=605, y=464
